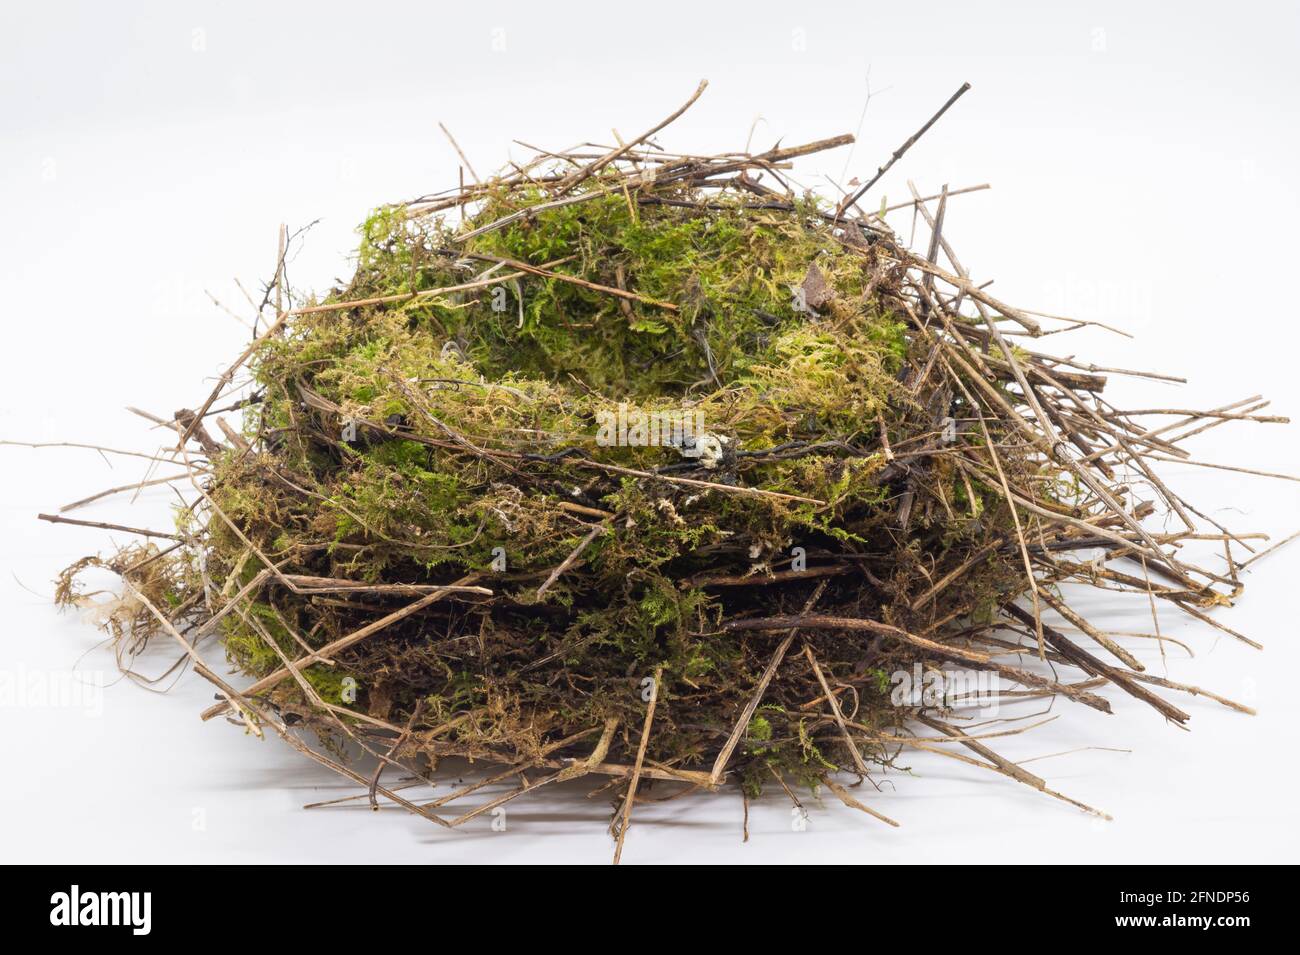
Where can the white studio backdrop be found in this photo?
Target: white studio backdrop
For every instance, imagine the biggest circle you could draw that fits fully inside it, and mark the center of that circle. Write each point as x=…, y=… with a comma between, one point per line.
x=1141, y=163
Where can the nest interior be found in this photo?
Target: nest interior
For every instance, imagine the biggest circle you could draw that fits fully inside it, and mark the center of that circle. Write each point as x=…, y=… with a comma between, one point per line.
x=656, y=467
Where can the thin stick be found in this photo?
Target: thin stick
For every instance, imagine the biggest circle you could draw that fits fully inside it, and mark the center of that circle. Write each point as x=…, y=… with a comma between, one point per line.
x=573, y=556
x=1269, y=550
x=459, y=152
x=834, y=704
x=636, y=767
x=591, y=169
x=134, y=486
x=898, y=153
x=56, y=519
x=1005, y=765
x=853, y=803
x=747, y=713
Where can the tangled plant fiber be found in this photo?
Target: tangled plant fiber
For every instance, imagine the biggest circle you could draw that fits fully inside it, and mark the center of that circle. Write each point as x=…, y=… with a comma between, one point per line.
x=650, y=467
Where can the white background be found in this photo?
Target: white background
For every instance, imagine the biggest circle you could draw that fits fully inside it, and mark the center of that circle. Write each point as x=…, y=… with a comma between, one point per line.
x=1142, y=163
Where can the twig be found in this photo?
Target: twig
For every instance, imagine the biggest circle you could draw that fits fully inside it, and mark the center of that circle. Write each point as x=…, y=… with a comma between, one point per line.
x=898, y=153
x=636, y=768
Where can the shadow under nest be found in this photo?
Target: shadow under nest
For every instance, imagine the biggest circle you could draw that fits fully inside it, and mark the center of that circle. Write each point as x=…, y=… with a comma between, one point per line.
x=653, y=466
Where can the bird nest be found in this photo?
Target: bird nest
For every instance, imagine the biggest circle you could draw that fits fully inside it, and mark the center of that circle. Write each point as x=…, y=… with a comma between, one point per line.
x=649, y=467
